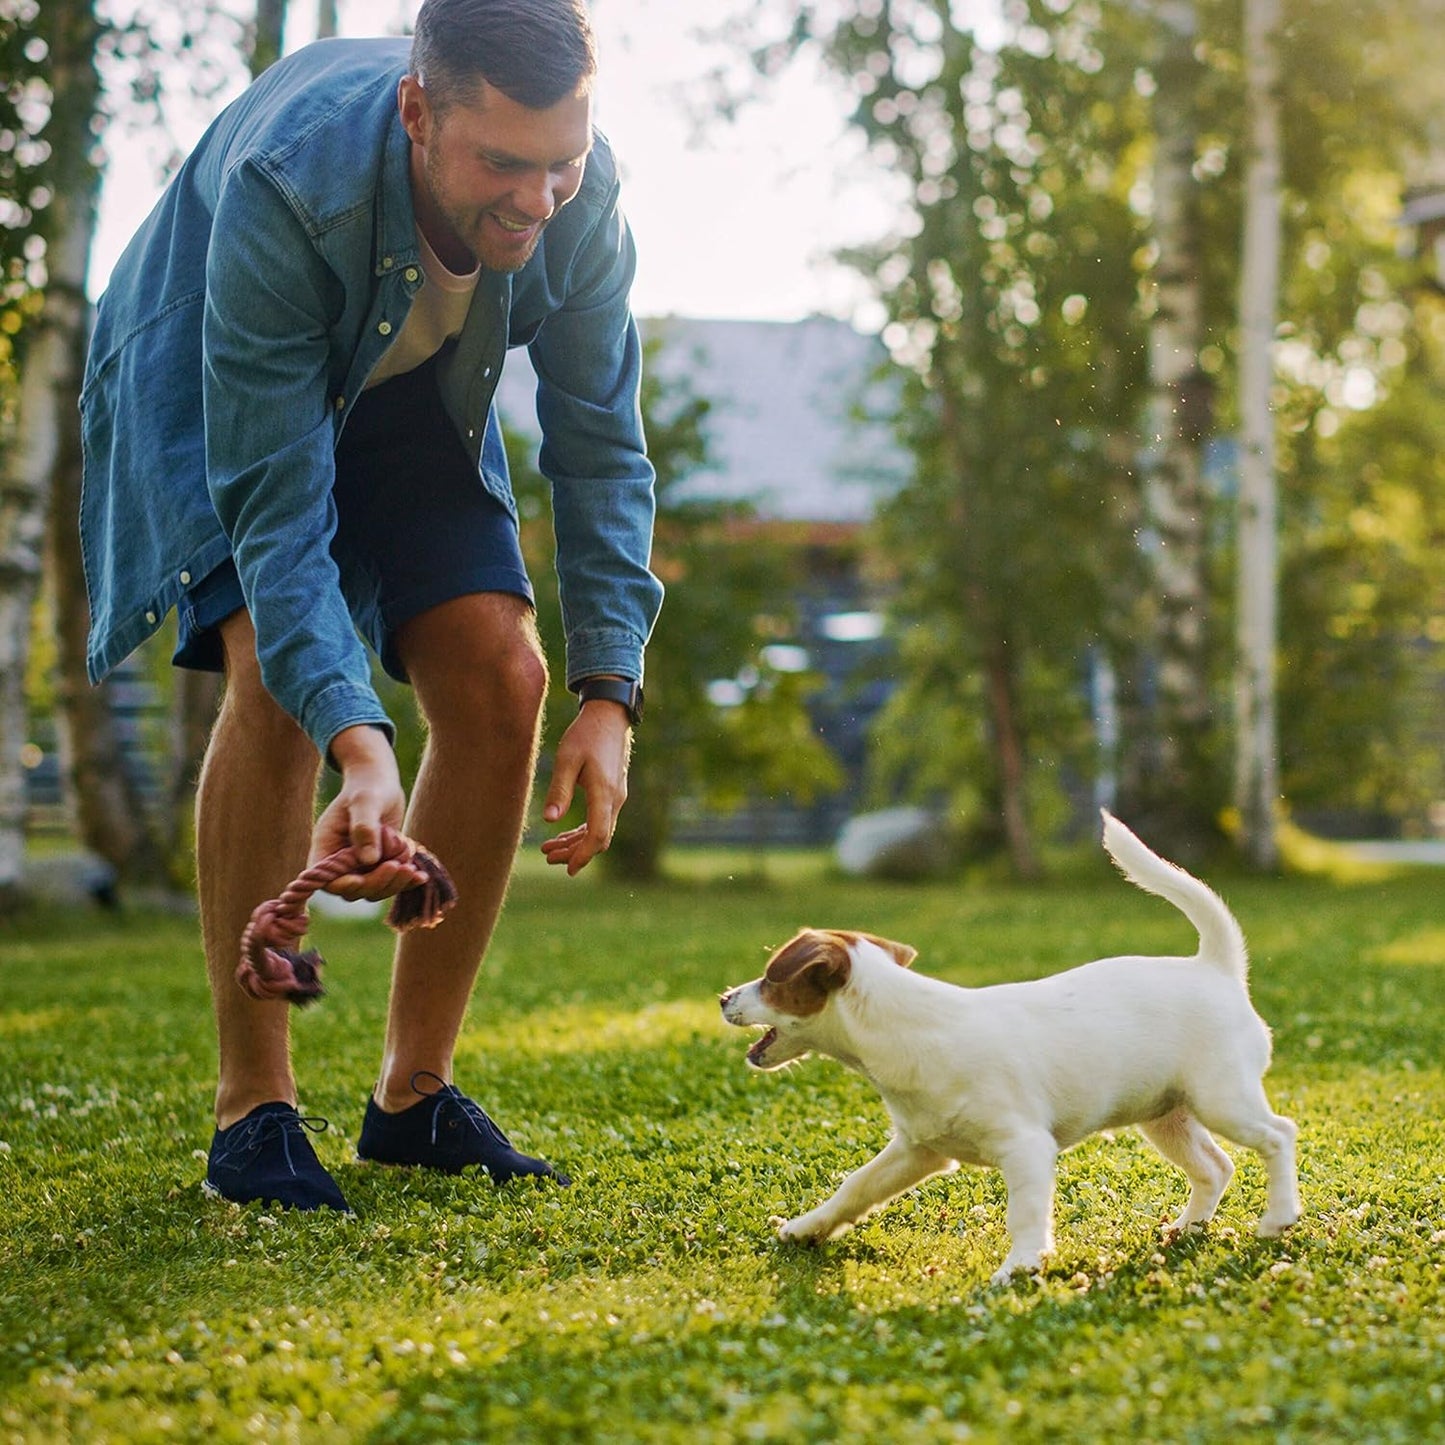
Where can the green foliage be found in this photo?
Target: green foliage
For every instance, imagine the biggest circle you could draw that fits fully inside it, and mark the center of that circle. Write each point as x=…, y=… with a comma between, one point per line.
x=1013, y=296
x=1364, y=589
x=23, y=182
x=727, y=595
x=1018, y=285
x=650, y=1302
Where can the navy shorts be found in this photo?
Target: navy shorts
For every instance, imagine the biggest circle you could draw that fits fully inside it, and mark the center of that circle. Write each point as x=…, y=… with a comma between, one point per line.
x=415, y=527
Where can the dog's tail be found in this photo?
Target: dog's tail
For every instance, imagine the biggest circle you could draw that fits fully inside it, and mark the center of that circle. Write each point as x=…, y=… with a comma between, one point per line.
x=1221, y=940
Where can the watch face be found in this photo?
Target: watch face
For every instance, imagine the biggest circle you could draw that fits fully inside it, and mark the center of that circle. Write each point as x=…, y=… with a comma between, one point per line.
x=614, y=689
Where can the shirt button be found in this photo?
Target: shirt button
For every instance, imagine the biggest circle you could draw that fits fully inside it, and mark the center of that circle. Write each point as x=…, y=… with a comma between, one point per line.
x=150, y=617
x=387, y=262
x=412, y=273
x=185, y=579
x=385, y=328
x=340, y=403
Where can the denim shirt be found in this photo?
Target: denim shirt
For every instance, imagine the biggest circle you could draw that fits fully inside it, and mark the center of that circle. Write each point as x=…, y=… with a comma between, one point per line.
x=237, y=332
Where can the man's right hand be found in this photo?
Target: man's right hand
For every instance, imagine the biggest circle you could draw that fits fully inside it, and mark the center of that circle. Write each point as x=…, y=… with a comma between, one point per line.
x=371, y=796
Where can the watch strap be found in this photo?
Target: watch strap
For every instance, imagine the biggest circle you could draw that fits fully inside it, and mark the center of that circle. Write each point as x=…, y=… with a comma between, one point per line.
x=613, y=689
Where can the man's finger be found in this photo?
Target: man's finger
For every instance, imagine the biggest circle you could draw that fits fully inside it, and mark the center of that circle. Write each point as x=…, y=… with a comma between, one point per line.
x=559, y=795
x=384, y=881
x=601, y=820
x=365, y=838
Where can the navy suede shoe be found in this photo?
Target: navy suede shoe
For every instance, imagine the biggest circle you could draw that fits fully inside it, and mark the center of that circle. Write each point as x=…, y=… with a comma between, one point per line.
x=267, y=1156
x=445, y=1130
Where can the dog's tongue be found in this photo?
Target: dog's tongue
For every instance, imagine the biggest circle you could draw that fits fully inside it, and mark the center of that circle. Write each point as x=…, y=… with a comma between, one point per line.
x=759, y=1048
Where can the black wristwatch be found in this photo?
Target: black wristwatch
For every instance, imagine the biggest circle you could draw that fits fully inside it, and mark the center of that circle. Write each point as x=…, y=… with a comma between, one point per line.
x=613, y=689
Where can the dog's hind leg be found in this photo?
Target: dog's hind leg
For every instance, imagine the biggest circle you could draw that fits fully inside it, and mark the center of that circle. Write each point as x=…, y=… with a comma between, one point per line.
x=1184, y=1141
x=1250, y=1121
x=899, y=1166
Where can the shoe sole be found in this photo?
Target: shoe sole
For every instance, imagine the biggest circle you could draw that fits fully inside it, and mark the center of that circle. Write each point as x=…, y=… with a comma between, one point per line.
x=211, y=1192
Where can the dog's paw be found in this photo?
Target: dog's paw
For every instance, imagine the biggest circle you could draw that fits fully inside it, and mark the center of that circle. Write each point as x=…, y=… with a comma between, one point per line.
x=1272, y=1228
x=805, y=1229
x=1175, y=1229
x=1013, y=1266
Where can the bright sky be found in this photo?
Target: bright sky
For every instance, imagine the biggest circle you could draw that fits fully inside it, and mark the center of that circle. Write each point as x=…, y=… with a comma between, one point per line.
x=731, y=220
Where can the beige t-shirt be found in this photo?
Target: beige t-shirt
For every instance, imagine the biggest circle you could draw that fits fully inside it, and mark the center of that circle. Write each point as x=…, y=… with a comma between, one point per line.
x=437, y=314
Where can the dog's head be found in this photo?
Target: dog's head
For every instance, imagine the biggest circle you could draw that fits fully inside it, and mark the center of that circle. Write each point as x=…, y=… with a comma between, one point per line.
x=792, y=996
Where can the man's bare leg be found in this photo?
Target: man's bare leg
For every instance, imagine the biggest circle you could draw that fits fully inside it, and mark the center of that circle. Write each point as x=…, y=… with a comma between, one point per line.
x=480, y=680
x=253, y=824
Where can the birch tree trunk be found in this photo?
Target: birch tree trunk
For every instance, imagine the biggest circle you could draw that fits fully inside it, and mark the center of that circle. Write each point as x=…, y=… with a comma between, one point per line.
x=1256, y=728
x=111, y=818
x=197, y=695
x=268, y=34
x=24, y=492
x=1168, y=785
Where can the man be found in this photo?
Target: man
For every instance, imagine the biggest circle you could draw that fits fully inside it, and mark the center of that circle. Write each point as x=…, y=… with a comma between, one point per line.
x=289, y=436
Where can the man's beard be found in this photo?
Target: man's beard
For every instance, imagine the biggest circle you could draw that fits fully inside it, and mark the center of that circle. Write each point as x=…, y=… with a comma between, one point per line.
x=471, y=228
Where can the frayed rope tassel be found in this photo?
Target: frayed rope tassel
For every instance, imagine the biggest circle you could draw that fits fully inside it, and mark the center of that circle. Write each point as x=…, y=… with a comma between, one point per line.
x=271, y=967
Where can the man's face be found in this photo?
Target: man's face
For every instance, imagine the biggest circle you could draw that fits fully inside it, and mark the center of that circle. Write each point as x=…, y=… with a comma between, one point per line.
x=488, y=174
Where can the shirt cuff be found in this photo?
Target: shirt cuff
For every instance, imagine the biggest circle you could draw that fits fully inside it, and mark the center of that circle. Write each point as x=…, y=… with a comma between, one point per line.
x=338, y=708
x=614, y=652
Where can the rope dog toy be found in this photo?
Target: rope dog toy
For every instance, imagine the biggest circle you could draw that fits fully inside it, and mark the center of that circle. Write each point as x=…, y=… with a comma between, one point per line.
x=272, y=968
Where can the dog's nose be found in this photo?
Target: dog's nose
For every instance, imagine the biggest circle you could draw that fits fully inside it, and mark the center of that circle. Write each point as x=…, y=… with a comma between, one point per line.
x=724, y=996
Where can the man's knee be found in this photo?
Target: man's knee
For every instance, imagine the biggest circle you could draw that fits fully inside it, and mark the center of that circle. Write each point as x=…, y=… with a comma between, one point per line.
x=248, y=708
x=478, y=667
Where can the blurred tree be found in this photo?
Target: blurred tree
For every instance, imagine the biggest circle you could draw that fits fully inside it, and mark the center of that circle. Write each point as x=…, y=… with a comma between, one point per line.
x=727, y=598
x=52, y=230
x=22, y=475
x=1256, y=787
x=109, y=811
x=268, y=34
x=196, y=696
x=1012, y=292
x=129, y=57
x=1090, y=167
x=1168, y=784
x=1357, y=401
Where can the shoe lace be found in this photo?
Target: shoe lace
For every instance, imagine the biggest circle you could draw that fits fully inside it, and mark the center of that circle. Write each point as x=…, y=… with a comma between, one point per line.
x=246, y=1139
x=451, y=1100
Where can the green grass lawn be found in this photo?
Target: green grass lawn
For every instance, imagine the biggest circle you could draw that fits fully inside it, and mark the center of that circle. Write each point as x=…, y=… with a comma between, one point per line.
x=650, y=1302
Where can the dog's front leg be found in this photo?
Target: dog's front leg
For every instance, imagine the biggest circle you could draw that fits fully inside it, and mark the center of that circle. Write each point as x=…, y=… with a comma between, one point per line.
x=899, y=1166
x=1028, y=1163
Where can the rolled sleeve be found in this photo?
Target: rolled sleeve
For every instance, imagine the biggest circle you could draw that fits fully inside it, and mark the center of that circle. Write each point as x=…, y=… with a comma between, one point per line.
x=270, y=453
x=588, y=360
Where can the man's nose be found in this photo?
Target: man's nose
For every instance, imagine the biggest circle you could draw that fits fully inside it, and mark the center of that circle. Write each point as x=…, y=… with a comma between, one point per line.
x=536, y=197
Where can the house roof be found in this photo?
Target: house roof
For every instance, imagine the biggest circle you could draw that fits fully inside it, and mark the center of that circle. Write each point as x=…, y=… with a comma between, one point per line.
x=800, y=417
x=1424, y=206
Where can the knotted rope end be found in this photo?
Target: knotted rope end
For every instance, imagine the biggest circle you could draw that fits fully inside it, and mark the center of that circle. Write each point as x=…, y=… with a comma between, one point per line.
x=269, y=969
x=282, y=973
x=425, y=904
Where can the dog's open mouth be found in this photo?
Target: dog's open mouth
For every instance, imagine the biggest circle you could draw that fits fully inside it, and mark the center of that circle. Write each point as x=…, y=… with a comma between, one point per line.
x=762, y=1045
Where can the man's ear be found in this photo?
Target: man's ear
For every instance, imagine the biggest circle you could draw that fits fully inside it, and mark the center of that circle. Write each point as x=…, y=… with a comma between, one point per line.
x=414, y=106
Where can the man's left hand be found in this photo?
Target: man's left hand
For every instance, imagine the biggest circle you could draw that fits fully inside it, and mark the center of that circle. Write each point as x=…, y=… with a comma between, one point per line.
x=592, y=755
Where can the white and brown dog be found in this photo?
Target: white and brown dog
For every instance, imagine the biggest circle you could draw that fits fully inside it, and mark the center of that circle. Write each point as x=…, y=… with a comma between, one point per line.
x=1009, y=1076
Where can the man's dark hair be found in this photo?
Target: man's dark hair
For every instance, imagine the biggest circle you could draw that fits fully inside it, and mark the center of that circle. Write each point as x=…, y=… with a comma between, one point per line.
x=536, y=52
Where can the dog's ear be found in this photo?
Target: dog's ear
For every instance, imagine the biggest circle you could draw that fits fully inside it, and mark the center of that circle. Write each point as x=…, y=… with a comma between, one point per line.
x=806, y=969
x=902, y=954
